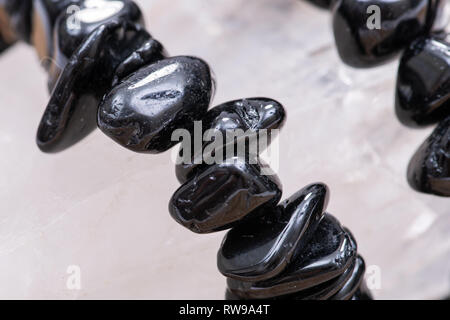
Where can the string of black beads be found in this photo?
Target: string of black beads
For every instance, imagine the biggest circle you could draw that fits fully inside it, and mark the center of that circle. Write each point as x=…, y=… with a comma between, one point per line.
x=416, y=30
x=106, y=70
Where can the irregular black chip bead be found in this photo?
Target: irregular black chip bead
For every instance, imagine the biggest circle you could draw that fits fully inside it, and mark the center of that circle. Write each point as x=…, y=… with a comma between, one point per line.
x=343, y=287
x=429, y=169
x=142, y=111
x=438, y=14
x=224, y=194
x=323, y=291
x=402, y=21
x=326, y=4
x=71, y=113
x=423, y=83
x=329, y=253
x=249, y=115
x=262, y=247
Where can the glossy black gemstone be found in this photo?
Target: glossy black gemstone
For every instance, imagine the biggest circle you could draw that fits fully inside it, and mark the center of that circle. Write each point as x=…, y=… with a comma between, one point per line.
x=325, y=290
x=142, y=111
x=249, y=115
x=72, y=110
x=429, y=169
x=15, y=20
x=328, y=255
x=423, y=84
x=359, y=41
x=362, y=293
x=222, y=195
x=261, y=248
x=322, y=291
x=73, y=26
x=438, y=13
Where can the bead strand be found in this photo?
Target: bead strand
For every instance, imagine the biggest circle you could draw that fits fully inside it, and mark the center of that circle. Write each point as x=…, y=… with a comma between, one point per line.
x=110, y=72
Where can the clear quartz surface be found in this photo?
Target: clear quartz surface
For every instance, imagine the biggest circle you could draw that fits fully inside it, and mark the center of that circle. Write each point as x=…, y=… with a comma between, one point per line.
x=103, y=208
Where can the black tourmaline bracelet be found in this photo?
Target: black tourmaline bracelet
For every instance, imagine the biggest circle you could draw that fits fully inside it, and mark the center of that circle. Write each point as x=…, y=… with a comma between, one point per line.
x=423, y=85
x=110, y=72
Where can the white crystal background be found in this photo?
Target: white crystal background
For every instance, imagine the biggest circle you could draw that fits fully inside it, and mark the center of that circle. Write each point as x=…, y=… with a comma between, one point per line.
x=104, y=209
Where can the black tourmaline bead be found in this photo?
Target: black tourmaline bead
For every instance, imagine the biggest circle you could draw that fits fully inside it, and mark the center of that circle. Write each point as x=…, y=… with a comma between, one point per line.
x=429, y=169
x=4, y=44
x=423, y=84
x=71, y=113
x=362, y=293
x=323, y=267
x=402, y=21
x=143, y=110
x=223, y=194
x=261, y=248
x=249, y=115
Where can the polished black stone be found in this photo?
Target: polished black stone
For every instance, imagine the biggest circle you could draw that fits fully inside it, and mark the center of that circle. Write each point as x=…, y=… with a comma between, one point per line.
x=423, y=84
x=322, y=291
x=249, y=115
x=402, y=21
x=72, y=110
x=429, y=169
x=142, y=111
x=4, y=44
x=362, y=293
x=73, y=26
x=222, y=195
x=261, y=248
x=328, y=255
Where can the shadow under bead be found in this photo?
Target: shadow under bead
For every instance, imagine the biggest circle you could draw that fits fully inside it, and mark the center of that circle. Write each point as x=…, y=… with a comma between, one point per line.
x=73, y=26
x=423, y=83
x=15, y=20
x=249, y=115
x=223, y=195
x=401, y=21
x=429, y=169
x=325, y=4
